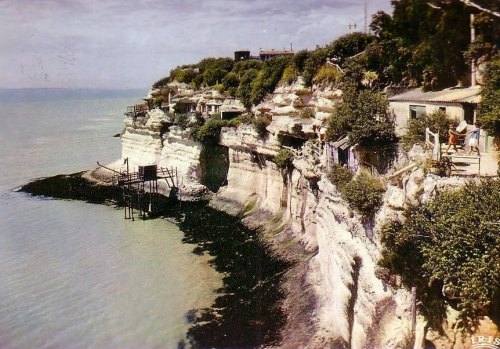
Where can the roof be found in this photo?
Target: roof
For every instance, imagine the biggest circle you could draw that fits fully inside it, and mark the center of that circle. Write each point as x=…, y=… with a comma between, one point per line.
x=450, y=95
x=342, y=143
x=274, y=52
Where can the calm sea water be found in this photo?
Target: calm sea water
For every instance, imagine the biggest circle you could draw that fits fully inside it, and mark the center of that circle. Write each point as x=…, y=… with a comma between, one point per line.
x=77, y=275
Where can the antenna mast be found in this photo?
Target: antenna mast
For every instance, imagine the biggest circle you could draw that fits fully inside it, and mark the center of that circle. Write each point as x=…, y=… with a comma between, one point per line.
x=366, y=16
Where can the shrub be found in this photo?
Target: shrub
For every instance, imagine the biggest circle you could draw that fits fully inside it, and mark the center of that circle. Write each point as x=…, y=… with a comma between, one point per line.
x=307, y=113
x=244, y=91
x=242, y=119
x=340, y=176
x=327, y=73
x=284, y=159
x=289, y=75
x=219, y=87
x=490, y=103
x=260, y=125
x=299, y=60
x=437, y=121
x=449, y=249
x=231, y=83
x=162, y=82
x=209, y=132
x=364, y=194
x=182, y=120
x=313, y=62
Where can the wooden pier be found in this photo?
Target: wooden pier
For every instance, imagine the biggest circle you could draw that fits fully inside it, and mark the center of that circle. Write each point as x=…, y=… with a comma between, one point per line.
x=140, y=189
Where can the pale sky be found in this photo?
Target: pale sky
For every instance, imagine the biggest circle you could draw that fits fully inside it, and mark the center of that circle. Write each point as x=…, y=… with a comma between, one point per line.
x=131, y=43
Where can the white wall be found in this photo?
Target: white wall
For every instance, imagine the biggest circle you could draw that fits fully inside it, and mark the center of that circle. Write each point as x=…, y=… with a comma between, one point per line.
x=402, y=112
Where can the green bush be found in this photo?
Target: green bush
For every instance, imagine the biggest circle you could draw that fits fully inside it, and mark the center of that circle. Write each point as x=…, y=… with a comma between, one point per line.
x=327, y=74
x=449, y=249
x=209, y=132
x=299, y=60
x=340, y=176
x=307, y=113
x=260, y=124
x=289, y=75
x=489, y=107
x=284, y=159
x=181, y=120
x=437, y=121
x=364, y=194
x=242, y=119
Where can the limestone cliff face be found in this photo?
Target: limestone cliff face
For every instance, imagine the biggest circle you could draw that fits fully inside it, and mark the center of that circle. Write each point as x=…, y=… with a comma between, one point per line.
x=141, y=139
x=351, y=306
x=143, y=144
x=334, y=297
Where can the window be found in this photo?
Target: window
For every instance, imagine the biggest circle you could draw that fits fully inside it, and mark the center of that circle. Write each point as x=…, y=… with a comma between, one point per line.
x=469, y=113
x=443, y=109
x=417, y=111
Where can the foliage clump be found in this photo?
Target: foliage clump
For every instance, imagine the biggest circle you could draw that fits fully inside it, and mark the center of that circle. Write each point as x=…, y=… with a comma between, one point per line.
x=490, y=101
x=449, y=249
x=421, y=45
x=289, y=75
x=307, y=113
x=284, y=159
x=209, y=132
x=364, y=194
x=260, y=124
x=327, y=74
x=363, y=116
x=340, y=176
x=437, y=121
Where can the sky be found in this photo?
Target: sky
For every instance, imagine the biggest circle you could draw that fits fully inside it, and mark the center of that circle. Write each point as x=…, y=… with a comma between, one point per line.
x=131, y=43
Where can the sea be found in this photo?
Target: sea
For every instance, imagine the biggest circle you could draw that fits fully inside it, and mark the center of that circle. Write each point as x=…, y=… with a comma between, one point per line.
x=74, y=274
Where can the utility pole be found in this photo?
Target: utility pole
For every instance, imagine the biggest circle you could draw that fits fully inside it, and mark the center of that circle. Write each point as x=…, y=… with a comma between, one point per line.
x=472, y=63
x=366, y=16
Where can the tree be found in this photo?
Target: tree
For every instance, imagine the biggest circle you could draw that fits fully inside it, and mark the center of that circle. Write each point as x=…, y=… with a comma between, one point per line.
x=299, y=60
x=449, y=249
x=244, y=91
x=423, y=43
x=490, y=102
x=363, y=116
x=230, y=83
x=349, y=45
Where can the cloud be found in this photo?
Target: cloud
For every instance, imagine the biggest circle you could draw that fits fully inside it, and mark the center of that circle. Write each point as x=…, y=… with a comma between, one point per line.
x=125, y=43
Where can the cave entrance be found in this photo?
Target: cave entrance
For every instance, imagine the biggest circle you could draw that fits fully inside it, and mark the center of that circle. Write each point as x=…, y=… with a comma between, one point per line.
x=214, y=163
x=291, y=141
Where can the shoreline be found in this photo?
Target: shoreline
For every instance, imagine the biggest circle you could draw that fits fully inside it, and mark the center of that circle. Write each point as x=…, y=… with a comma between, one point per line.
x=253, y=306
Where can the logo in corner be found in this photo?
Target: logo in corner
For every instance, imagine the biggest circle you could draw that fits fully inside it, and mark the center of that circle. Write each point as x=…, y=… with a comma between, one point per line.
x=485, y=342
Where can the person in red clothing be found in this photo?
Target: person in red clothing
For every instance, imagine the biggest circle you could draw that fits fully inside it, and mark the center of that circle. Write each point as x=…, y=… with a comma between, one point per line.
x=453, y=138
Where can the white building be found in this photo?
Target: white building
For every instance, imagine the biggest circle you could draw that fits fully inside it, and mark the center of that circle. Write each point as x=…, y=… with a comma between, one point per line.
x=459, y=103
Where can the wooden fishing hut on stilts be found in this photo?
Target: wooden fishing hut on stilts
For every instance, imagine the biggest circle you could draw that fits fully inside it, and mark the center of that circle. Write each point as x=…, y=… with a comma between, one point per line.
x=140, y=189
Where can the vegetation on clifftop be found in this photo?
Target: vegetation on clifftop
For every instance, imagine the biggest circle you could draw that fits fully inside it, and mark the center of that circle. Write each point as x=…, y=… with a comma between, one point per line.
x=490, y=104
x=449, y=248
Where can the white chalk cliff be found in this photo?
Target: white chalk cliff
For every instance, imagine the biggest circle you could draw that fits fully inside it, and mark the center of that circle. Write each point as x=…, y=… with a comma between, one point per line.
x=335, y=298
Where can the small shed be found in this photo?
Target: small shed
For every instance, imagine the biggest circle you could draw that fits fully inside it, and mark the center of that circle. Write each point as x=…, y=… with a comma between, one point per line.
x=241, y=55
x=341, y=153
